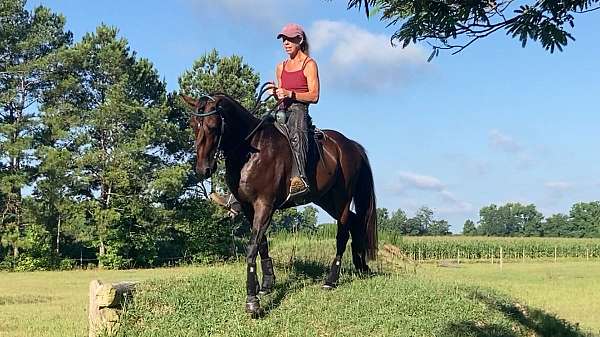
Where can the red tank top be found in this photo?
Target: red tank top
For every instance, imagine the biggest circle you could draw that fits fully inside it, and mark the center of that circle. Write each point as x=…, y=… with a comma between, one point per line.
x=294, y=80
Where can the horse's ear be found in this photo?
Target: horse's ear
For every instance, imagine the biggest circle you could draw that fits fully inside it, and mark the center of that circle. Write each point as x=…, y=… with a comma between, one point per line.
x=194, y=103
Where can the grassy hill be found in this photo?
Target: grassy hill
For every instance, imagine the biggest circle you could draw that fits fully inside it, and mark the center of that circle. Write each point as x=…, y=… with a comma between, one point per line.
x=395, y=301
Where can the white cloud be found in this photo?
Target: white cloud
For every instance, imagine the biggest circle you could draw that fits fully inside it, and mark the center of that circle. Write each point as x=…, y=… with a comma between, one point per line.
x=419, y=181
x=523, y=157
x=359, y=59
x=449, y=203
x=558, y=185
x=504, y=142
x=557, y=190
x=452, y=204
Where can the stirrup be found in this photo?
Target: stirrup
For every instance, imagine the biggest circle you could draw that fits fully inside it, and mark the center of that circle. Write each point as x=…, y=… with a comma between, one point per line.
x=228, y=203
x=298, y=187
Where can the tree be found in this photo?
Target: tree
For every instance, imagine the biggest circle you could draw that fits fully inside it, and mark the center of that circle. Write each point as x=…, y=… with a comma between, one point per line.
x=512, y=219
x=419, y=224
x=530, y=220
x=411, y=226
x=424, y=217
x=557, y=225
x=393, y=223
x=383, y=217
x=441, y=22
x=469, y=228
x=290, y=220
x=439, y=228
x=585, y=219
x=114, y=101
x=309, y=218
x=212, y=73
x=397, y=220
x=28, y=39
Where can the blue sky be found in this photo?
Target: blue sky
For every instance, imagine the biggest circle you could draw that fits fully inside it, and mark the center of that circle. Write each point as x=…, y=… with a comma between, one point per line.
x=496, y=123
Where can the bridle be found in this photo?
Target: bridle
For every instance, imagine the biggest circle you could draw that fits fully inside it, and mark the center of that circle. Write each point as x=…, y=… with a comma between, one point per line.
x=217, y=111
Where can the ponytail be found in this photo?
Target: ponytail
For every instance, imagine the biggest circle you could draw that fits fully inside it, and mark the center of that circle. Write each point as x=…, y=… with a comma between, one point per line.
x=304, y=45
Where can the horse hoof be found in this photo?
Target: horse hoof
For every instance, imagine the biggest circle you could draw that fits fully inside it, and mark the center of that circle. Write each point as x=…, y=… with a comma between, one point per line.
x=264, y=292
x=328, y=286
x=254, y=309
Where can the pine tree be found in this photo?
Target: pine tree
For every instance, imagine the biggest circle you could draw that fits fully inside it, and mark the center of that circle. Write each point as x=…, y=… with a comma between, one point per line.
x=115, y=104
x=27, y=42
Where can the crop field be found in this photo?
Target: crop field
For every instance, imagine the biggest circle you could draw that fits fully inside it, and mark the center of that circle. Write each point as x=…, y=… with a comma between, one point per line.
x=402, y=298
x=488, y=248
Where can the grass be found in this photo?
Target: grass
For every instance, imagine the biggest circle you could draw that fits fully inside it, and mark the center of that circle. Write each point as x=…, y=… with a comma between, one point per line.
x=569, y=289
x=210, y=304
x=401, y=299
x=53, y=304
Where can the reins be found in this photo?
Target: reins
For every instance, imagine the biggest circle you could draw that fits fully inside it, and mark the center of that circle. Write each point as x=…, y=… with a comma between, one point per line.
x=259, y=102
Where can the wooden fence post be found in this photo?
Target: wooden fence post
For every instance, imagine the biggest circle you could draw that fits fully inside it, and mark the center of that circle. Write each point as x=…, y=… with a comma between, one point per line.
x=501, y=257
x=106, y=305
x=587, y=254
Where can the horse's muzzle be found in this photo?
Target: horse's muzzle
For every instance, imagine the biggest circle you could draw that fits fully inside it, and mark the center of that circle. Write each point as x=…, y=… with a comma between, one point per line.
x=205, y=172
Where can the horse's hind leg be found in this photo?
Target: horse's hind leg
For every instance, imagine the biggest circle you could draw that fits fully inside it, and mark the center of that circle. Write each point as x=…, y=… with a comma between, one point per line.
x=266, y=263
x=343, y=234
x=359, y=244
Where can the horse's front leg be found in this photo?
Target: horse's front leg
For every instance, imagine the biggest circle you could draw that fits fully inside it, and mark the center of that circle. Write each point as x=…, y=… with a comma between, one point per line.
x=260, y=223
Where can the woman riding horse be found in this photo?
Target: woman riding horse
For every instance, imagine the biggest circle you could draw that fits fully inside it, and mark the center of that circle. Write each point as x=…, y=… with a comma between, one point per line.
x=262, y=172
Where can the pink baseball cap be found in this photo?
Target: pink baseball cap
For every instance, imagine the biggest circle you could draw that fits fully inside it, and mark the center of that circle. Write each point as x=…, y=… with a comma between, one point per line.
x=291, y=30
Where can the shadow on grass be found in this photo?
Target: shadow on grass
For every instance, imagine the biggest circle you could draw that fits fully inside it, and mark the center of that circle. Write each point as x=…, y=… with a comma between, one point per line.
x=526, y=321
x=304, y=273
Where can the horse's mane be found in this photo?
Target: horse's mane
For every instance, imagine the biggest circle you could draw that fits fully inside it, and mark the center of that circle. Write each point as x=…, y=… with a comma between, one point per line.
x=236, y=103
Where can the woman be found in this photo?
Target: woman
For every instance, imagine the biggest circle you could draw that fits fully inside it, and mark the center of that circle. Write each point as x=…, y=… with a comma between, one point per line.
x=298, y=83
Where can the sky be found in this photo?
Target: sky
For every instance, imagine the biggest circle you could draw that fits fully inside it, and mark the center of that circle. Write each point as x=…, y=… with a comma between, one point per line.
x=495, y=123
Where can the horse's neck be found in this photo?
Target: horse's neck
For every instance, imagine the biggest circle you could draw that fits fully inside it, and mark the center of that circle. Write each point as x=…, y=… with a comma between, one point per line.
x=240, y=123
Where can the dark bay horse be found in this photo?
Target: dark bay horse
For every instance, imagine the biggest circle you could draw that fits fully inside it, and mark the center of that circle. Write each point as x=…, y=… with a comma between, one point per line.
x=258, y=167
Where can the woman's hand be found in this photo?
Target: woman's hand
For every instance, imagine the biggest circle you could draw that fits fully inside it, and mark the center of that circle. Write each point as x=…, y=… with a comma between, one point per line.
x=281, y=93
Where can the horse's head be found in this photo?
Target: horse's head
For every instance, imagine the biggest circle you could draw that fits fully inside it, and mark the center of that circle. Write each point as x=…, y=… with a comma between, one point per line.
x=208, y=125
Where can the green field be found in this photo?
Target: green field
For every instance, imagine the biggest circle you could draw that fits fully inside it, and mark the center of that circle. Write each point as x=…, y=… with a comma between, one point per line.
x=486, y=248
x=401, y=299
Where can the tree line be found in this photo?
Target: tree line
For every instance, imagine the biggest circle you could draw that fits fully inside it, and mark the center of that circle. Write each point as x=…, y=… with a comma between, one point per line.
x=515, y=219
x=511, y=219
x=96, y=156
x=423, y=223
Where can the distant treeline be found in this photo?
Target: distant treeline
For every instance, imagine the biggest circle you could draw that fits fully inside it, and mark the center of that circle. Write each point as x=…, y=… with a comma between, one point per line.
x=514, y=219
x=511, y=219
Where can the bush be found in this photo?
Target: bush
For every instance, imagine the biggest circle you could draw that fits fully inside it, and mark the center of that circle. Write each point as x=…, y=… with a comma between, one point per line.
x=111, y=260
x=29, y=263
x=8, y=264
x=66, y=264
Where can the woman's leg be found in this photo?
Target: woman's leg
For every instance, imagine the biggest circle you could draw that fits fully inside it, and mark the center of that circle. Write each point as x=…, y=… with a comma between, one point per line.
x=297, y=124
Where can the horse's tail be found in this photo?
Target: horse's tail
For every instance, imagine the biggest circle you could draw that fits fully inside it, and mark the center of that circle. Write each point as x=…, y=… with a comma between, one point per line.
x=364, y=203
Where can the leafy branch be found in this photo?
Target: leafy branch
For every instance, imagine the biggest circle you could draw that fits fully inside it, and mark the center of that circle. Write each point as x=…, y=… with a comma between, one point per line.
x=456, y=24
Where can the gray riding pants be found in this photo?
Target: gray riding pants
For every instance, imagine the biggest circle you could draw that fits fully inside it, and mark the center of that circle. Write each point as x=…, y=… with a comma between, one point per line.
x=298, y=123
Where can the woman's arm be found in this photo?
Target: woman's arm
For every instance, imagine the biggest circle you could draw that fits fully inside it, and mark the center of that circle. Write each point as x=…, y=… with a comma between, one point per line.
x=277, y=83
x=312, y=77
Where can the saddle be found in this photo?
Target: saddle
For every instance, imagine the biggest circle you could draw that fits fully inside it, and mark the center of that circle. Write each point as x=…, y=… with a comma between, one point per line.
x=316, y=137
